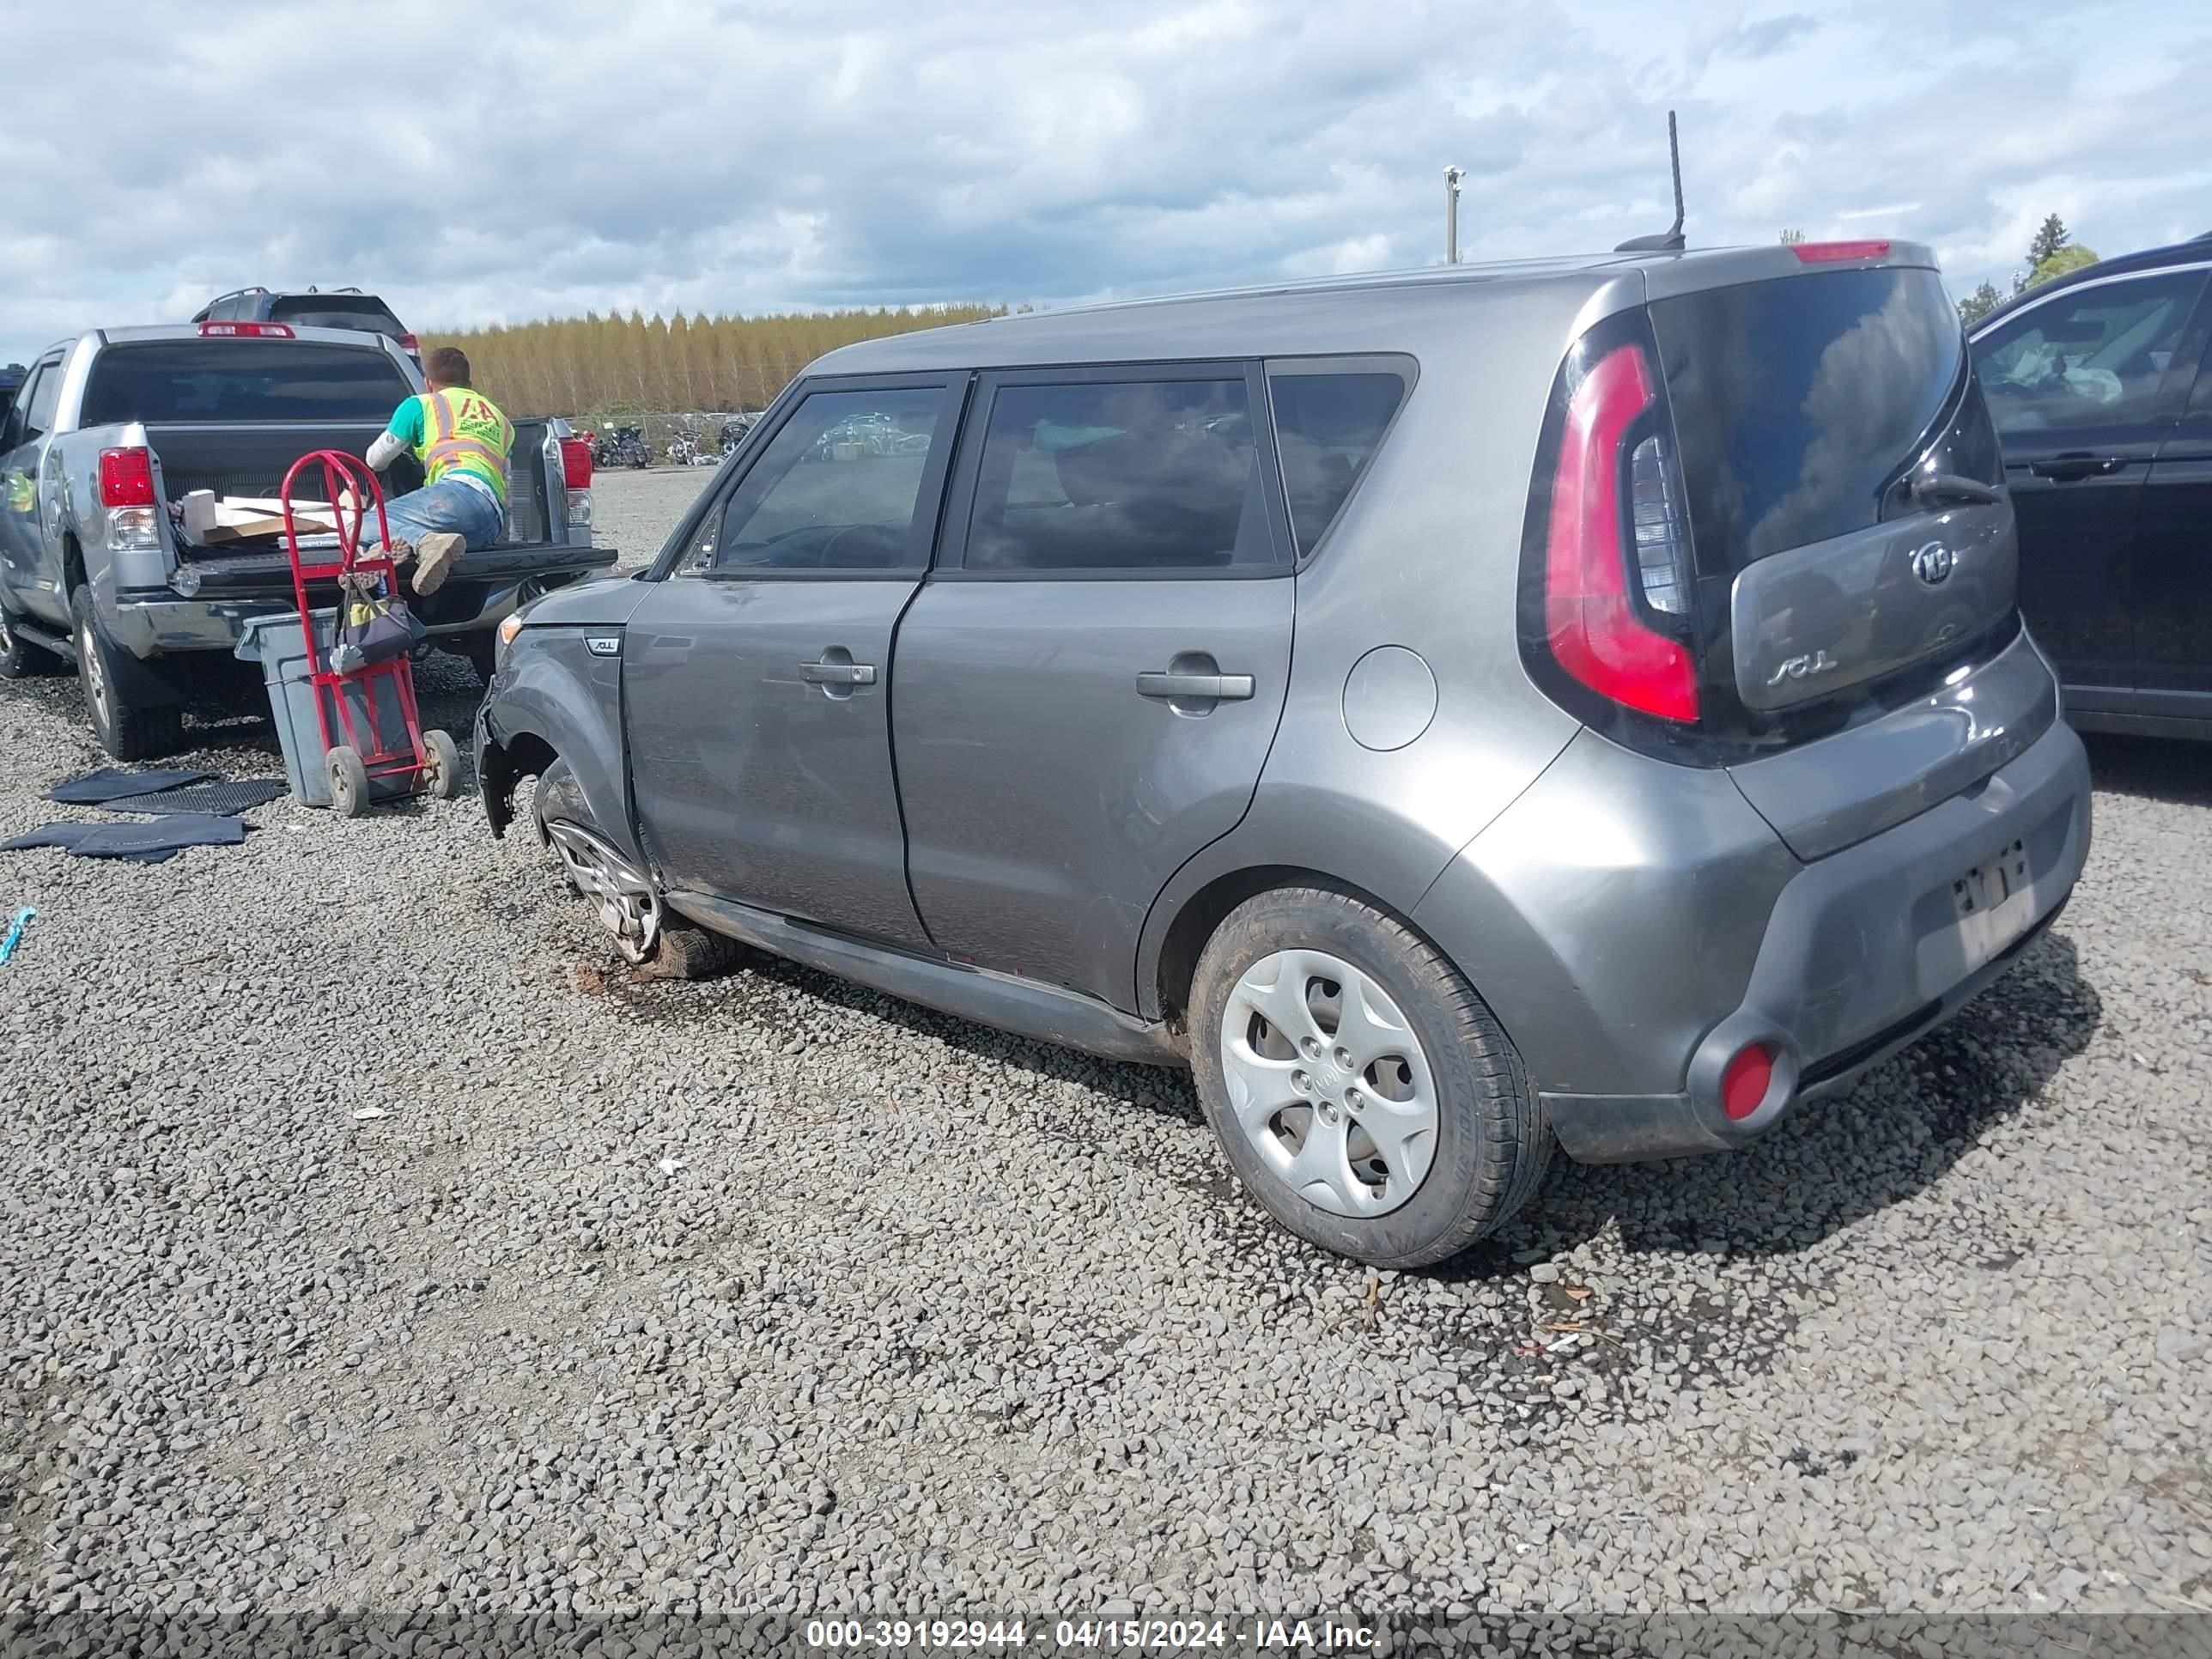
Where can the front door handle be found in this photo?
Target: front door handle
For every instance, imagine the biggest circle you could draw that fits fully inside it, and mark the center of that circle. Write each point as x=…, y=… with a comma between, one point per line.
x=1220, y=688
x=2064, y=469
x=838, y=673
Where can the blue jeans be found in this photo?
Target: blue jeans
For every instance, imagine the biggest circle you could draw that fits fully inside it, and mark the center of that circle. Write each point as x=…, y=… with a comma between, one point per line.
x=463, y=509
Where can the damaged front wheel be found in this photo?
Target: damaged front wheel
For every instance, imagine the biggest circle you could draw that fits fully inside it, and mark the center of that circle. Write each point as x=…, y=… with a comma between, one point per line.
x=622, y=894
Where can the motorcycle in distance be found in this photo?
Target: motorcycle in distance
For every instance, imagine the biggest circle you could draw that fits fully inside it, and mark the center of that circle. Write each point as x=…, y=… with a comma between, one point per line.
x=620, y=445
x=689, y=447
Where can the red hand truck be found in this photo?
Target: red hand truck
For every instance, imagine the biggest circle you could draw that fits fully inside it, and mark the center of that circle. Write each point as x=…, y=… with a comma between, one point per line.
x=369, y=762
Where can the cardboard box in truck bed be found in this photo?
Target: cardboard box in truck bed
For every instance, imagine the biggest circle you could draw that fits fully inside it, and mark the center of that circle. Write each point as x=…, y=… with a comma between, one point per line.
x=211, y=520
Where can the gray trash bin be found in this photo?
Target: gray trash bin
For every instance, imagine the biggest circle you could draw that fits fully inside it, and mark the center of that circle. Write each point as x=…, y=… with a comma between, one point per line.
x=276, y=643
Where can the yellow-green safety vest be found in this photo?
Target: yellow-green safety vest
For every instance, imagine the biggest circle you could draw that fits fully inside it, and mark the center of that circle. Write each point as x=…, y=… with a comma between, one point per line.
x=463, y=431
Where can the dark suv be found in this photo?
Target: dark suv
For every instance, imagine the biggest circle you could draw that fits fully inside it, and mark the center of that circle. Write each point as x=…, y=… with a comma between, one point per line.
x=337, y=307
x=2100, y=384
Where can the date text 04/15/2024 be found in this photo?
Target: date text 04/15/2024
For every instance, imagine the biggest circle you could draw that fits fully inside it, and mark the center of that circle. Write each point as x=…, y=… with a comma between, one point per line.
x=1289, y=1636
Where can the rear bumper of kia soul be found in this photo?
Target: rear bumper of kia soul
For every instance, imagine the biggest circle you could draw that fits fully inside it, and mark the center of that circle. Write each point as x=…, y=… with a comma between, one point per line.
x=1629, y=967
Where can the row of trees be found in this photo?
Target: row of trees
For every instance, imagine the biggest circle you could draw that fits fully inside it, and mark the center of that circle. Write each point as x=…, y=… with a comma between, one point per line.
x=600, y=366
x=2051, y=252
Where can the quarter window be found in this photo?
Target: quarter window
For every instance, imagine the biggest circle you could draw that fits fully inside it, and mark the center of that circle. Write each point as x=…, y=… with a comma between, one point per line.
x=1326, y=427
x=1121, y=476
x=2096, y=357
x=836, y=489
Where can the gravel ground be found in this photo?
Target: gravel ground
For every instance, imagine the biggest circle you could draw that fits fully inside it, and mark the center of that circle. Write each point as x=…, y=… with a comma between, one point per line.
x=368, y=1237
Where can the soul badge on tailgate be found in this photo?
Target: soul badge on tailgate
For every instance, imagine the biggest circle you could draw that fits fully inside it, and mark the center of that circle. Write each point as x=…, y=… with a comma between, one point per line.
x=602, y=645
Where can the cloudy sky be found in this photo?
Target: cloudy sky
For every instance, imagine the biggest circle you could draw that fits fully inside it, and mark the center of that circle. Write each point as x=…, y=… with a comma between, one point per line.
x=498, y=162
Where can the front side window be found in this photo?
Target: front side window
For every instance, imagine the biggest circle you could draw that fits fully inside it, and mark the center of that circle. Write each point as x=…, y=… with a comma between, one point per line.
x=835, y=489
x=1120, y=475
x=16, y=429
x=2095, y=358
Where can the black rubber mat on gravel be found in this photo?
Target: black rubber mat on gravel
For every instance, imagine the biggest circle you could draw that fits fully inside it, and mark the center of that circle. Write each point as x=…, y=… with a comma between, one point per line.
x=112, y=782
x=219, y=796
x=149, y=840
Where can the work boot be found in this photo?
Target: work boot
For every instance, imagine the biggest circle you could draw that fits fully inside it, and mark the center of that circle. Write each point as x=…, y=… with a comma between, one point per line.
x=434, y=555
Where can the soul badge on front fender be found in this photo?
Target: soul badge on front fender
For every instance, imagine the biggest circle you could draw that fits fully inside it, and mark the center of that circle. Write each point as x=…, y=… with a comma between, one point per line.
x=602, y=645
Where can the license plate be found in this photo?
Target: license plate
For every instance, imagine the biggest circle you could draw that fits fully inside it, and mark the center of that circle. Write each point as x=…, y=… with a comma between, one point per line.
x=1994, y=904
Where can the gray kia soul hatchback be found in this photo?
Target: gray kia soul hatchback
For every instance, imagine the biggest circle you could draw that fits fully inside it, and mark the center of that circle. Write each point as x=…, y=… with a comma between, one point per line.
x=1453, y=711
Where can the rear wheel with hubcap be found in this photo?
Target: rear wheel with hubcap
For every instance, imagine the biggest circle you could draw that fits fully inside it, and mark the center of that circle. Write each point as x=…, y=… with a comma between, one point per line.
x=1360, y=1086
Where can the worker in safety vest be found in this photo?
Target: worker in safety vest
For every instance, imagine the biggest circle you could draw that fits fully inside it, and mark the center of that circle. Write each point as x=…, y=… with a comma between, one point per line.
x=463, y=441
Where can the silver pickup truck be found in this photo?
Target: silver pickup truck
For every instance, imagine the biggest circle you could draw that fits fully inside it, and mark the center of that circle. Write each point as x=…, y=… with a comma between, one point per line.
x=116, y=424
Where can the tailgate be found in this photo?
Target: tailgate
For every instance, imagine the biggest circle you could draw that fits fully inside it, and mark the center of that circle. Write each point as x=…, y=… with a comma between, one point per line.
x=1856, y=605
x=1807, y=408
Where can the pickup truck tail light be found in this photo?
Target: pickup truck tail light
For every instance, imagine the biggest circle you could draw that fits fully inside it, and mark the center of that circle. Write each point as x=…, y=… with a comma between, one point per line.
x=246, y=332
x=126, y=490
x=126, y=477
x=576, y=475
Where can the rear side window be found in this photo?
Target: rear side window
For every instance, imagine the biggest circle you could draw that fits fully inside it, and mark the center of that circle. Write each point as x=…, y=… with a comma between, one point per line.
x=1327, y=428
x=1121, y=476
x=322, y=311
x=2096, y=356
x=1796, y=401
x=188, y=381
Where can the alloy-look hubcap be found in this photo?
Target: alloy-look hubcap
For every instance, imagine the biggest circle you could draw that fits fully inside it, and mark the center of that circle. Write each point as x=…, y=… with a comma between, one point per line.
x=624, y=895
x=1329, y=1084
x=95, y=677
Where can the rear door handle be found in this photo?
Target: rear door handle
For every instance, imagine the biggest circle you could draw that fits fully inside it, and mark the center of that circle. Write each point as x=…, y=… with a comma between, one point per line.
x=838, y=673
x=2065, y=468
x=1222, y=687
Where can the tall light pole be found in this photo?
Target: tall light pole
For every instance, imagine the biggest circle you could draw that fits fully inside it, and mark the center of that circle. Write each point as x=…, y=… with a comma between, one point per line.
x=1452, y=176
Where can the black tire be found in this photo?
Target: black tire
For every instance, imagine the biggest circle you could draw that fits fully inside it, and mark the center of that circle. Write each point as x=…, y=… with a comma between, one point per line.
x=128, y=727
x=1492, y=1144
x=19, y=659
x=559, y=796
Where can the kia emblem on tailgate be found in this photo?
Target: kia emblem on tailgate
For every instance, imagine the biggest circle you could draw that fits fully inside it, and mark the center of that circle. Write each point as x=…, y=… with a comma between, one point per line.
x=1933, y=563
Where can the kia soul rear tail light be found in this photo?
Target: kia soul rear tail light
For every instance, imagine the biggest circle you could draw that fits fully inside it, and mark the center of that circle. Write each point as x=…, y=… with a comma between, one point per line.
x=1616, y=581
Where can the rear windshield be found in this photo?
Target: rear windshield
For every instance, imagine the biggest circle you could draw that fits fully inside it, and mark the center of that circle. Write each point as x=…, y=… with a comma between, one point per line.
x=186, y=380
x=1797, y=400
x=321, y=311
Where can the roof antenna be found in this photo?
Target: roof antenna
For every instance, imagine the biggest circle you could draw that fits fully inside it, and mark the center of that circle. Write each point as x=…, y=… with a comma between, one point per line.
x=1670, y=241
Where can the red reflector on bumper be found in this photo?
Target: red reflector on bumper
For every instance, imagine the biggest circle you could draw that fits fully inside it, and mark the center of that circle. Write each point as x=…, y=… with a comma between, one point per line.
x=1744, y=1085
